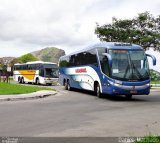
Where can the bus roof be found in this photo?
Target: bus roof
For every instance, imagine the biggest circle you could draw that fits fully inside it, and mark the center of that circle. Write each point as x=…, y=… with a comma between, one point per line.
x=35, y=62
x=108, y=45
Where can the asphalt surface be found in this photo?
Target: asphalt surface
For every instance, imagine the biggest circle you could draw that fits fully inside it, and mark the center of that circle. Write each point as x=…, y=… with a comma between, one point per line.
x=80, y=114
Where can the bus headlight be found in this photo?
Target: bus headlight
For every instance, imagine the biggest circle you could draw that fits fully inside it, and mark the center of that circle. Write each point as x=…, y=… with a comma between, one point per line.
x=148, y=84
x=110, y=82
x=116, y=84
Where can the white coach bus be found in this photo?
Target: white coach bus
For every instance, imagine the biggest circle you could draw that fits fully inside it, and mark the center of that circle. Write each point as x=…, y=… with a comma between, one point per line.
x=107, y=68
x=37, y=72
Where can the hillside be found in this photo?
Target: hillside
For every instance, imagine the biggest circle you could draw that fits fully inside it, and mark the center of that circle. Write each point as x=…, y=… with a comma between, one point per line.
x=50, y=54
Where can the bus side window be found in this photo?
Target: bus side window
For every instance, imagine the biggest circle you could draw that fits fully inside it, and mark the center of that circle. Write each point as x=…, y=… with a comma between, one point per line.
x=105, y=66
x=104, y=61
x=38, y=66
x=41, y=72
x=29, y=67
x=72, y=61
x=14, y=67
x=89, y=57
x=64, y=62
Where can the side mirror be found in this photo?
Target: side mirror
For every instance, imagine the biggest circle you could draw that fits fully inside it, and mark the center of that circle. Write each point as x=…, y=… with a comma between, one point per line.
x=153, y=58
x=109, y=58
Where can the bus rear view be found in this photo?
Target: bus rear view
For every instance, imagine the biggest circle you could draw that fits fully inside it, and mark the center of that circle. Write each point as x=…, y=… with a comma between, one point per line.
x=118, y=69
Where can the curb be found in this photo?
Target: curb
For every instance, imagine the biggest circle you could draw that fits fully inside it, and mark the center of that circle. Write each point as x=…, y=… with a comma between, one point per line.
x=29, y=96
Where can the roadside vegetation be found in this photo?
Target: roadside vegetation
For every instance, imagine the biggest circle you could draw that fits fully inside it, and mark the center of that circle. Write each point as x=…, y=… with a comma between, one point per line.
x=155, y=82
x=155, y=77
x=149, y=139
x=8, y=89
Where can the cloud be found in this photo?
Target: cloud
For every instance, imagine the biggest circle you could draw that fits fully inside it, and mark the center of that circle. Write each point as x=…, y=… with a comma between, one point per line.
x=28, y=25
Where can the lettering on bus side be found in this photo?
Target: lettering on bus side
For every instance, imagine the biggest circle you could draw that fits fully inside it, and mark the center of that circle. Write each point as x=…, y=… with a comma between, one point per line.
x=81, y=70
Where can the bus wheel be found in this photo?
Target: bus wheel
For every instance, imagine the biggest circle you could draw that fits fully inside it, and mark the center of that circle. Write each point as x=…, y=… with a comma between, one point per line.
x=22, y=80
x=128, y=96
x=97, y=91
x=19, y=80
x=37, y=81
x=65, y=85
x=68, y=85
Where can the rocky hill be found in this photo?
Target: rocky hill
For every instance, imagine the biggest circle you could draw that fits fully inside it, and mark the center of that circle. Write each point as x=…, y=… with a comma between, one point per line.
x=50, y=54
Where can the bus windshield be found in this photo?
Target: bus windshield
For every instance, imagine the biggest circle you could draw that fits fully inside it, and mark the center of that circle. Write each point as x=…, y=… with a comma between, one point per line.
x=129, y=65
x=50, y=70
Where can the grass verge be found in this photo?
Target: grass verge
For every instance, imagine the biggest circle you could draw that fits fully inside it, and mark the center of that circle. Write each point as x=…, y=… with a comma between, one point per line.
x=155, y=82
x=149, y=139
x=7, y=89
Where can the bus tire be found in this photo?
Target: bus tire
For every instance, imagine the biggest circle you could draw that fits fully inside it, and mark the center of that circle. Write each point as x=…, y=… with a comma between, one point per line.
x=65, y=85
x=19, y=80
x=68, y=86
x=128, y=96
x=97, y=90
x=37, y=81
x=22, y=80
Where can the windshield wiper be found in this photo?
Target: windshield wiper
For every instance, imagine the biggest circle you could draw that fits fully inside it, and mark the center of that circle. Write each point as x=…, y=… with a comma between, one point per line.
x=136, y=71
x=133, y=69
x=126, y=71
x=129, y=67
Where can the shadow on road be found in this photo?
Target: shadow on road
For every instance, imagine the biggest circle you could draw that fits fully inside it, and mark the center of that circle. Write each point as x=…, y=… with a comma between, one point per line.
x=153, y=97
x=121, y=98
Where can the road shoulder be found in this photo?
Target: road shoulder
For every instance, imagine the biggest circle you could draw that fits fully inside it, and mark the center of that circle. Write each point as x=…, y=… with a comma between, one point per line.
x=34, y=95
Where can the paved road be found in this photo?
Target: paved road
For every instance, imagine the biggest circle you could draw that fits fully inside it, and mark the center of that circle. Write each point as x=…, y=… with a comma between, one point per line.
x=74, y=113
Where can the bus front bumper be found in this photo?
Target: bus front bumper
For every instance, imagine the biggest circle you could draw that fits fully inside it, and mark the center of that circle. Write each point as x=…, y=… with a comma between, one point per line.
x=50, y=80
x=117, y=89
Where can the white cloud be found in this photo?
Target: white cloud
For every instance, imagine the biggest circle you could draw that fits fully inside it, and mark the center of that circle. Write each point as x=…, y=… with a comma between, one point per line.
x=28, y=25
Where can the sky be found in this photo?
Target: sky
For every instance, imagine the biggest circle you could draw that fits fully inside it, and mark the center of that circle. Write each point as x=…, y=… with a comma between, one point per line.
x=30, y=25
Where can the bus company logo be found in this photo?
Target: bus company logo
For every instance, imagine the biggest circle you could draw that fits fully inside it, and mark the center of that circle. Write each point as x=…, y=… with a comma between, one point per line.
x=82, y=70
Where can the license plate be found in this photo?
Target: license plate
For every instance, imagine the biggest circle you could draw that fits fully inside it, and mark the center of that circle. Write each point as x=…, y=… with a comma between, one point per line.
x=133, y=91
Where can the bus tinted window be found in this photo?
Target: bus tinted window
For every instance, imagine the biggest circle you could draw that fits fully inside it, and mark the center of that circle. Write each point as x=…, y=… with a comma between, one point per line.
x=72, y=60
x=84, y=58
x=103, y=61
x=50, y=66
x=20, y=67
x=90, y=57
x=64, y=62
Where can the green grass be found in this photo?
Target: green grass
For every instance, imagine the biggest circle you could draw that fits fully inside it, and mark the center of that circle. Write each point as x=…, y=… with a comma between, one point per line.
x=155, y=82
x=149, y=139
x=7, y=89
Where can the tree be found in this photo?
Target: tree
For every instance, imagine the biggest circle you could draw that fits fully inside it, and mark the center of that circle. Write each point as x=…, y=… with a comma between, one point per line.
x=27, y=58
x=3, y=68
x=154, y=76
x=15, y=61
x=143, y=30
